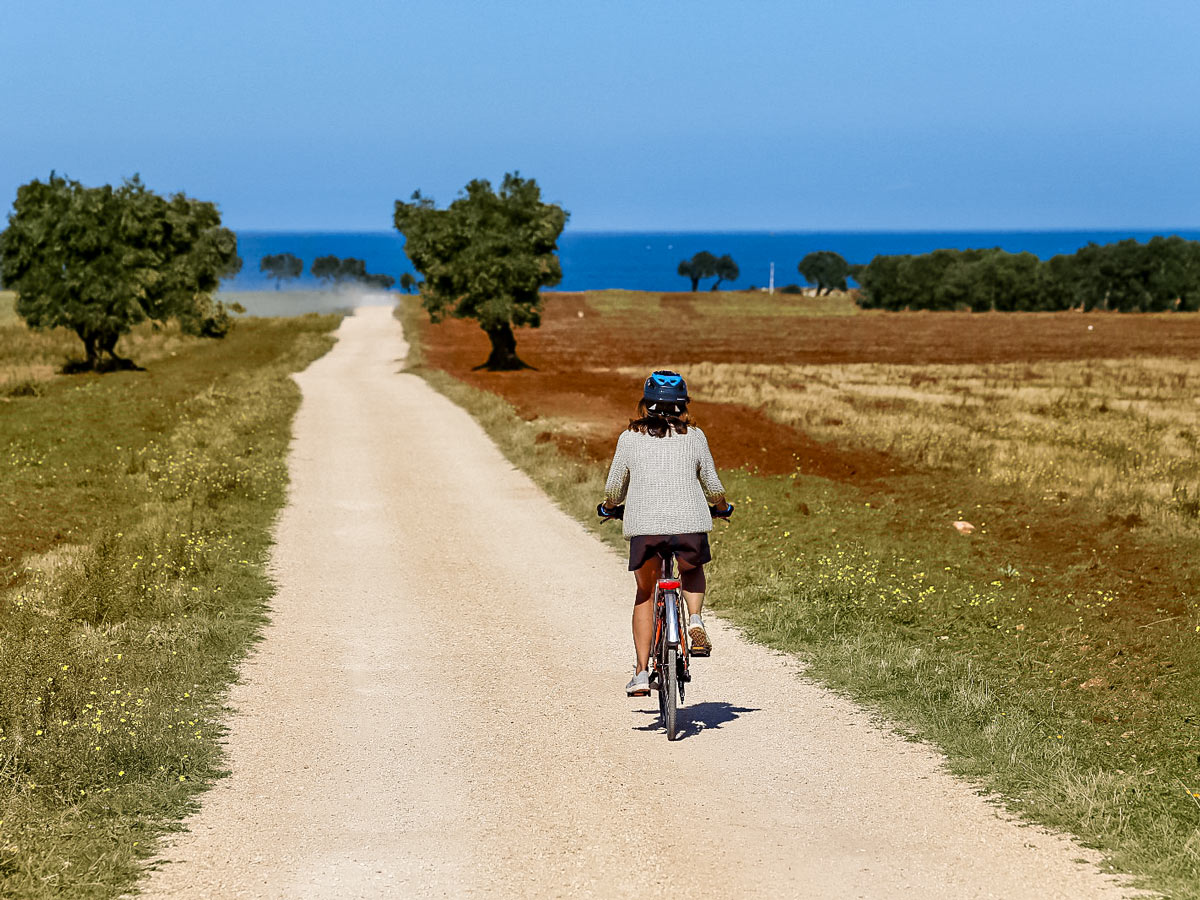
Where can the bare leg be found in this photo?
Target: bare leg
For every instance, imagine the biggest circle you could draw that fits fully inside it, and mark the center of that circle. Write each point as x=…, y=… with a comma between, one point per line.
x=693, y=584
x=643, y=611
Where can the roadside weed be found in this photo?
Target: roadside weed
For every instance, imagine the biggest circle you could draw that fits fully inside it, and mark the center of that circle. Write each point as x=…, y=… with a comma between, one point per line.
x=119, y=635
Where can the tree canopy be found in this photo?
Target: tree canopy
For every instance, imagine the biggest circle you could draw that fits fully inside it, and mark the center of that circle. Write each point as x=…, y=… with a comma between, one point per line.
x=379, y=281
x=485, y=257
x=100, y=260
x=702, y=265
x=725, y=270
x=706, y=265
x=333, y=268
x=350, y=269
x=826, y=269
x=282, y=266
x=1128, y=276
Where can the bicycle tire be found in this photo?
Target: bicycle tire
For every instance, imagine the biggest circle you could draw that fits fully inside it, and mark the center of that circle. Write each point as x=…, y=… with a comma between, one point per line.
x=669, y=692
x=662, y=691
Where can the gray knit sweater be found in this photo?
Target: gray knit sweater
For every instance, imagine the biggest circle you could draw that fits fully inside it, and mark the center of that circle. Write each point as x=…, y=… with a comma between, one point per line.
x=664, y=482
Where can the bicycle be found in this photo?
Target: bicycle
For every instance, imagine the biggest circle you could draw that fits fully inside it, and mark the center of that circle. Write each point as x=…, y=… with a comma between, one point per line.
x=669, y=651
x=670, y=667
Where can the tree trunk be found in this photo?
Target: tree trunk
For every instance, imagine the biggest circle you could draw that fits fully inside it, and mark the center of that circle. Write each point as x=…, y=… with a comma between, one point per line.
x=717, y=284
x=89, y=347
x=108, y=343
x=695, y=283
x=503, y=357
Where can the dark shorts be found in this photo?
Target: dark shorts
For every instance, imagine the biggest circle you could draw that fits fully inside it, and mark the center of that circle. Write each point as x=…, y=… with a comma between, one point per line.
x=691, y=548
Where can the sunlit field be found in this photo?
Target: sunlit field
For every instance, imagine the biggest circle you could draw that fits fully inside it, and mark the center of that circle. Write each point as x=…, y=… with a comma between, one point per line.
x=29, y=359
x=1049, y=646
x=135, y=516
x=720, y=304
x=1122, y=433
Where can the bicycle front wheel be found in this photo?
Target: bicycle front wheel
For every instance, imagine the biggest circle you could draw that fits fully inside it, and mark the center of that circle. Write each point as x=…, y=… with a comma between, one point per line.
x=668, y=693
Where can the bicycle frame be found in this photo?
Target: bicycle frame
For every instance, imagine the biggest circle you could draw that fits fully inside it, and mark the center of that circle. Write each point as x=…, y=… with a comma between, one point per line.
x=668, y=621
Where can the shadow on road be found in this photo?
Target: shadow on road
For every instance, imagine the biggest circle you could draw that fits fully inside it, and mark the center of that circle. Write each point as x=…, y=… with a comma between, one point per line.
x=694, y=719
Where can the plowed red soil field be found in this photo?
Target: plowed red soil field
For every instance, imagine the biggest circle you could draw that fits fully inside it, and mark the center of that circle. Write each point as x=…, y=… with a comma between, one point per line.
x=577, y=347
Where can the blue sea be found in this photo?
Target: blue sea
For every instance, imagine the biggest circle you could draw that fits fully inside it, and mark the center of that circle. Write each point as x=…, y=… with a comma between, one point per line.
x=647, y=261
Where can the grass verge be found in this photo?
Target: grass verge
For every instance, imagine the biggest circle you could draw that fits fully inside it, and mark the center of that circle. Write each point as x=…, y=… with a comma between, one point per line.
x=1071, y=711
x=151, y=496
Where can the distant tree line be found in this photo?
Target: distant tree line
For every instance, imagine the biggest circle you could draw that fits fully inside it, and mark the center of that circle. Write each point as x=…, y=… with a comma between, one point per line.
x=1128, y=276
x=350, y=269
x=287, y=266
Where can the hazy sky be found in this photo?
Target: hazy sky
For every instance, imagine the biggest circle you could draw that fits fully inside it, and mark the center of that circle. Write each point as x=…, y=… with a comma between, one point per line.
x=633, y=114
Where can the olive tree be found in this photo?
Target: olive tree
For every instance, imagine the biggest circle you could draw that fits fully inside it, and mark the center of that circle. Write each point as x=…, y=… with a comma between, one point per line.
x=282, y=266
x=100, y=260
x=349, y=270
x=485, y=257
x=326, y=268
x=725, y=270
x=379, y=282
x=826, y=269
x=701, y=265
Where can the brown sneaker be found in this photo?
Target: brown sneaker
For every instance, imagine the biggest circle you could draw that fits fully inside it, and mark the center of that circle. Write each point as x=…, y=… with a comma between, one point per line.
x=701, y=646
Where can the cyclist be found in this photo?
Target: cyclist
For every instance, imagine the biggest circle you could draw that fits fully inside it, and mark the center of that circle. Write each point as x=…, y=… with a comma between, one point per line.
x=663, y=473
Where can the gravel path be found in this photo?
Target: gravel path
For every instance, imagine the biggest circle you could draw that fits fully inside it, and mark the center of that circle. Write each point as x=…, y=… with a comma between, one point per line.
x=435, y=713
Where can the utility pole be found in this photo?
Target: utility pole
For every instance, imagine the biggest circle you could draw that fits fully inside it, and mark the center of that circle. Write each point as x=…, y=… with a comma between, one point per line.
x=771, y=283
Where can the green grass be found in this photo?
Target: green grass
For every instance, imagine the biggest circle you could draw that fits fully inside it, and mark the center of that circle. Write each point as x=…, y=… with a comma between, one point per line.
x=725, y=304
x=150, y=497
x=29, y=359
x=615, y=302
x=1078, y=718
x=777, y=305
x=1071, y=709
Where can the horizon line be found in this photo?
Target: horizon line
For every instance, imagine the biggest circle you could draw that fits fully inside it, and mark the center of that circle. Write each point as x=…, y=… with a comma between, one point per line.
x=764, y=231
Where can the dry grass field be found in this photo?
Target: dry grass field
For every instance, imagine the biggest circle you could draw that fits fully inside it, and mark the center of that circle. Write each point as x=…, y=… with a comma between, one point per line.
x=1052, y=653
x=136, y=510
x=30, y=359
x=1123, y=433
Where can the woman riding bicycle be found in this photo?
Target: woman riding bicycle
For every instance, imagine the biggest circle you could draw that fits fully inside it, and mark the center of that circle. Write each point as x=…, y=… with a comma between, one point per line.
x=664, y=474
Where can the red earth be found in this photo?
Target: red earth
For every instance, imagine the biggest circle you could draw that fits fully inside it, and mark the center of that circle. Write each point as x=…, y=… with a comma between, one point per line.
x=573, y=356
x=576, y=347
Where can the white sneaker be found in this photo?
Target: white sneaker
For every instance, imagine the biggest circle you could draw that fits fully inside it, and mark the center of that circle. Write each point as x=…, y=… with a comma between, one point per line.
x=639, y=685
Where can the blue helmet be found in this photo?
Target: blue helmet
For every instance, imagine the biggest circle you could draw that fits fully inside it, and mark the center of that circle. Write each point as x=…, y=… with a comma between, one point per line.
x=665, y=387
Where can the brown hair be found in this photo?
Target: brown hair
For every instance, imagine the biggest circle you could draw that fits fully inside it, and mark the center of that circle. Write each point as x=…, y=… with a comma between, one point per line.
x=657, y=425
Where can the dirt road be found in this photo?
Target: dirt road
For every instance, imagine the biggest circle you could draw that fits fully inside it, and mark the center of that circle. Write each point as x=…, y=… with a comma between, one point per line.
x=436, y=710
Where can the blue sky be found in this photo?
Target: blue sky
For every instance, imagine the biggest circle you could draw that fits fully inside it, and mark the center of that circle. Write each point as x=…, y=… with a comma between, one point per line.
x=633, y=114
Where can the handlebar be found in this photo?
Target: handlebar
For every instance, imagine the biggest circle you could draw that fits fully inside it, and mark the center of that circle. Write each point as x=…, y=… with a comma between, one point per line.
x=618, y=512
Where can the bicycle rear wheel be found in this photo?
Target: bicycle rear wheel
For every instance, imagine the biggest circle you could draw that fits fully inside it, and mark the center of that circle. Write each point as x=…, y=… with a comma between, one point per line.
x=668, y=693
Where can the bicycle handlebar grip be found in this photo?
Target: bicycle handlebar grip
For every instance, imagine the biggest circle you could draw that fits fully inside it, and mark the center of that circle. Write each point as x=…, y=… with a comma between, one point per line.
x=605, y=512
x=723, y=514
